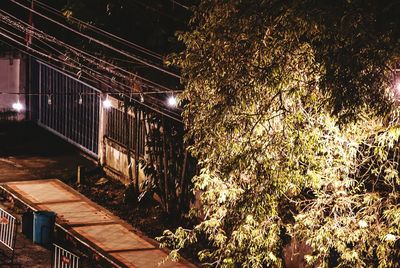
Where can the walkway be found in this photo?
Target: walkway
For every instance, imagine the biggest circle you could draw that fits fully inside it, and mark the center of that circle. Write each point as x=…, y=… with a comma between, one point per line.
x=92, y=224
x=28, y=152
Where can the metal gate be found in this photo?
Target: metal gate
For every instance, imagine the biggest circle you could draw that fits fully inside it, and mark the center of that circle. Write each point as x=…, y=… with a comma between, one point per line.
x=63, y=258
x=69, y=108
x=8, y=234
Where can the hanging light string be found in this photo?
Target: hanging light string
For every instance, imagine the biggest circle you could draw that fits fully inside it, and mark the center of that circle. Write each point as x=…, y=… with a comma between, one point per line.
x=72, y=94
x=104, y=81
x=99, y=30
x=90, y=38
x=158, y=109
x=91, y=70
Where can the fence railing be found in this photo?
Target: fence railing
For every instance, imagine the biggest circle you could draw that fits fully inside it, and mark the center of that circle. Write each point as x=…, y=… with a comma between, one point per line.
x=116, y=129
x=8, y=235
x=63, y=258
x=69, y=108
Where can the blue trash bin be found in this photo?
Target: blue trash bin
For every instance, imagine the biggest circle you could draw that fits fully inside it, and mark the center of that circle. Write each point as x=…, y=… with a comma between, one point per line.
x=43, y=227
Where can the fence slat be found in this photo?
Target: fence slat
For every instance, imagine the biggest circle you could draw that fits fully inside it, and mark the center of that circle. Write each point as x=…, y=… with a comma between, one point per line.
x=64, y=258
x=7, y=229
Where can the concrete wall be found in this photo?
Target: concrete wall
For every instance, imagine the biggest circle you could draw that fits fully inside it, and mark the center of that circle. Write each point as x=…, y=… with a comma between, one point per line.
x=12, y=80
x=112, y=155
x=116, y=162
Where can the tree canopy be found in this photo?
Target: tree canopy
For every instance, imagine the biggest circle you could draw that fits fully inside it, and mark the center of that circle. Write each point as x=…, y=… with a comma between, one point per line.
x=289, y=105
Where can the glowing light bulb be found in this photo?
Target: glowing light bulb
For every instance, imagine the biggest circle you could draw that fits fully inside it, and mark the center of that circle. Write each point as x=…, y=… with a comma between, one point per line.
x=49, y=100
x=107, y=103
x=172, y=102
x=17, y=106
x=80, y=100
x=141, y=97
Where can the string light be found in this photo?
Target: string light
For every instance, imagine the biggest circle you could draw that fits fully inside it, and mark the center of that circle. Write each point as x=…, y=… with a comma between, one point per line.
x=49, y=99
x=141, y=97
x=40, y=35
x=172, y=101
x=48, y=56
x=80, y=99
x=17, y=106
x=107, y=103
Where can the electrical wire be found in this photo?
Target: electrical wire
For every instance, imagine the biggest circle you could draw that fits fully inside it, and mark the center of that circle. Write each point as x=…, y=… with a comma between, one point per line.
x=177, y=119
x=30, y=30
x=179, y=4
x=58, y=61
x=158, y=110
x=97, y=41
x=100, y=31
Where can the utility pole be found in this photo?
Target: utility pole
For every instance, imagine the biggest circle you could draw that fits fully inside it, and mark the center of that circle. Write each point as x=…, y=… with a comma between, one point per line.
x=28, y=81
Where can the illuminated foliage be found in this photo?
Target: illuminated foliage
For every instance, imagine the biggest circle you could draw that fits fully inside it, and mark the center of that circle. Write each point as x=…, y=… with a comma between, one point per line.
x=283, y=102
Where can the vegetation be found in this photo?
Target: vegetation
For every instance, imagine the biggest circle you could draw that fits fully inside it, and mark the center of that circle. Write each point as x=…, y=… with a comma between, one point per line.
x=168, y=166
x=290, y=109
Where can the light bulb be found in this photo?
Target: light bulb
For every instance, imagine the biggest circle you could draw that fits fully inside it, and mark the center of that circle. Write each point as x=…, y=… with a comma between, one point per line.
x=172, y=102
x=80, y=99
x=107, y=103
x=49, y=100
x=141, y=97
x=17, y=106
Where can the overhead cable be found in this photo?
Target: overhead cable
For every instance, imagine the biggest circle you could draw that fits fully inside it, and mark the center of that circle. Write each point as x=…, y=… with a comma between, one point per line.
x=98, y=41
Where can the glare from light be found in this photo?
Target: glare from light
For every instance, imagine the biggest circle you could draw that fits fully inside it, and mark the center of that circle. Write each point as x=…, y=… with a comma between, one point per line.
x=107, y=103
x=172, y=101
x=17, y=106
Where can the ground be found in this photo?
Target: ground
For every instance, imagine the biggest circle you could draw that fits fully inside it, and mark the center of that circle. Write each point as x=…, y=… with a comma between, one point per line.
x=29, y=152
x=28, y=254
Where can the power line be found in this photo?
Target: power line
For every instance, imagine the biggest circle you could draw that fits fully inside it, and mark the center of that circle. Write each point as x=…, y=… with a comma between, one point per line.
x=123, y=94
x=52, y=39
x=73, y=49
x=100, y=31
x=98, y=41
x=179, y=4
x=128, y=95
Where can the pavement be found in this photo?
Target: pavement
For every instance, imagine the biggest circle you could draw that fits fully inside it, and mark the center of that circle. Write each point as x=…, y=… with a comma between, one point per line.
x=28, y=152
x=30, y=159
x=92, y=224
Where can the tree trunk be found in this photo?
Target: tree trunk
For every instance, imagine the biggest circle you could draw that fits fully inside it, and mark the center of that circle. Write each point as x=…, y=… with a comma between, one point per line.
x=183, y=200
x=165, y=164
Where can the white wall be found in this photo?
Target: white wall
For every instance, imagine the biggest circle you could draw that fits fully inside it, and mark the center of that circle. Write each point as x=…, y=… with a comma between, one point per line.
x=10, y=82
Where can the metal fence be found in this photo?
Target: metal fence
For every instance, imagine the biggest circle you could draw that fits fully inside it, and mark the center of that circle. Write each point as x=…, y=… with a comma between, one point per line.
x=63, y=258
x=7, y=229
x=116, y=129
x=8, y=235
x=69, y=108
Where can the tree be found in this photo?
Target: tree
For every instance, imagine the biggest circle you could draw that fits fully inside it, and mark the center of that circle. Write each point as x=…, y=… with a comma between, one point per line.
x=284, y=101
